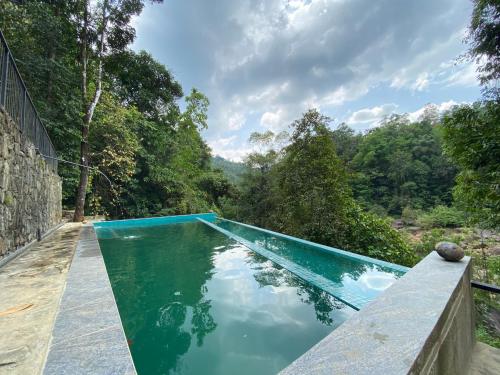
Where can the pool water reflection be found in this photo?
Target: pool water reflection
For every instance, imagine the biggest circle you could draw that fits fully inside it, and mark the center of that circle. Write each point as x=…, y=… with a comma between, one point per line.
x=193, y=301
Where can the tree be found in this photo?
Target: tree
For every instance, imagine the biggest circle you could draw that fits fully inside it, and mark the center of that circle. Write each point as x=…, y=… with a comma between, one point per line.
x=303, y=189
x=472, y=141
x=151, y=151
x=400, y=164
x=484, y=39
x=346, y=142
x=40, y=35
x=102, y=29
x=257, y=200
x=140, y=80
x=312, y=182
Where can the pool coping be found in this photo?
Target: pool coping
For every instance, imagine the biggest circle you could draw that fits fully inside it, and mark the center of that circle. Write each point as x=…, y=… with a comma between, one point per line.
x=88, y=335
x=422, y=324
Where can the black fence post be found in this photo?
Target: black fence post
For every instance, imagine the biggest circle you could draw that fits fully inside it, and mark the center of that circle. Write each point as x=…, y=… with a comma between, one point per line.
x=23, y=111
x=4, y=75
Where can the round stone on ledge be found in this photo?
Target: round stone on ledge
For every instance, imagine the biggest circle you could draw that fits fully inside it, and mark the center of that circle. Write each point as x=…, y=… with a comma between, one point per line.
x=449, y=251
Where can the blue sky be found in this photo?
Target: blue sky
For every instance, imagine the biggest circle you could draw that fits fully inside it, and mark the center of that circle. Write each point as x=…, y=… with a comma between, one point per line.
x=262, y=63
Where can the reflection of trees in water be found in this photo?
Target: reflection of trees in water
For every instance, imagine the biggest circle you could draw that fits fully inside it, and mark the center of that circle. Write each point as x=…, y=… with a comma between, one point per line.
x=269, y=273
x=202, y=321
x=314, y=259
x=148, y=276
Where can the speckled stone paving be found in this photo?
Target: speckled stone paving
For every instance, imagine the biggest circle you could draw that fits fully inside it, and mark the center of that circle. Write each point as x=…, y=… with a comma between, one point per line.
x=33, y=281
x=88, y=336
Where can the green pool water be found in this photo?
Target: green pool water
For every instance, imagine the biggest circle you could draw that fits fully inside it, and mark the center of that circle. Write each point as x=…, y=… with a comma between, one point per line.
x=361, y=279
x=193, y=301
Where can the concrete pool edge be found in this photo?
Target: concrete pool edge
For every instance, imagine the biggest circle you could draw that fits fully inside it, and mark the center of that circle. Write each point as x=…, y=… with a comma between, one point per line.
x=88, y=335
x=159, y=220
x=422, y=324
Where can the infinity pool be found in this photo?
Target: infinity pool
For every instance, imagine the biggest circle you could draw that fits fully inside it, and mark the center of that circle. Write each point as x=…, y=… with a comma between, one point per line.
x=194, y=300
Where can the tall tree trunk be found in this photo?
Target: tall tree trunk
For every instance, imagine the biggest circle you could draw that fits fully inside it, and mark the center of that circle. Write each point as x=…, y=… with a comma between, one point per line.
x=88, y=108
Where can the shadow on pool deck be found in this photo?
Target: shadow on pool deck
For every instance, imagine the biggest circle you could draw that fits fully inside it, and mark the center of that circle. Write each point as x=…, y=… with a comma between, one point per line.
x=31, y=289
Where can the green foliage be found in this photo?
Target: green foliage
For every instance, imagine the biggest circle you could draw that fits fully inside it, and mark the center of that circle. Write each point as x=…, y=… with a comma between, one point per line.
x=232, y=170
x=40, y=35
x=485, y=334
x=400, y=164
x=346, y=142
x=430, y=238
x=472, y=141
x=303, y=190
x=484, y=41
x=139, y=80
x=409, y=215
x=151, y=151
x=442, y=217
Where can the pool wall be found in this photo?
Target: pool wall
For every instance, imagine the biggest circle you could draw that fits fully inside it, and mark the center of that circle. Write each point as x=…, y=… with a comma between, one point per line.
x=422, y=324
x=129, y=223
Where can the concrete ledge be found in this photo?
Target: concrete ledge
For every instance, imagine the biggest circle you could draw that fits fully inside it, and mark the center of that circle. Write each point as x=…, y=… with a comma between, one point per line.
x=422, y=324
x=88, y=336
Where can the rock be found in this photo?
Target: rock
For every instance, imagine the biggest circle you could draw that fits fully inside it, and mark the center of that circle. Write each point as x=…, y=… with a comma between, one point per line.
x=449, y=251
x=495, y=251
x=398, y=224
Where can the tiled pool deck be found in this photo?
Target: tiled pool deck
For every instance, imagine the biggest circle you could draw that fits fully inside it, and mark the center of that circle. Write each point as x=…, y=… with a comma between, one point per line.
x=88, y=336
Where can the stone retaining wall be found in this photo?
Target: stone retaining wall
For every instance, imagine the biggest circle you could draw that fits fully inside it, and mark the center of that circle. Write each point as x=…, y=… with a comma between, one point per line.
x=30, y=193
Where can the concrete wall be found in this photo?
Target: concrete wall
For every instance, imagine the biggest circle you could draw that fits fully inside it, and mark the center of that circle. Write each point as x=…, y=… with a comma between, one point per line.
x=30, y=193
x=422, y=324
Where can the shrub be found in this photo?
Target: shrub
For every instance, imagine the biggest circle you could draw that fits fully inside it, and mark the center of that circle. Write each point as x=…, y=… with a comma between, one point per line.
x=372, y=236
x=378, y=210
x=409, y=215
x=429, y=240
x=442, y=217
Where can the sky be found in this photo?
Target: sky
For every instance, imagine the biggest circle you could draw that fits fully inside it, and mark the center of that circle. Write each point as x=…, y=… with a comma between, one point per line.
x=262, y=63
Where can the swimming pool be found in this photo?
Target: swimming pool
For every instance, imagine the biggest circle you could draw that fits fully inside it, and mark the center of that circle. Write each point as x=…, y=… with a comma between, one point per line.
x=202, y=295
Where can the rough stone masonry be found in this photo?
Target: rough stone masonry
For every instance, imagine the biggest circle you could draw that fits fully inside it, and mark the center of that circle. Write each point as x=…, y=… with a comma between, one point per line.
x=30, y=193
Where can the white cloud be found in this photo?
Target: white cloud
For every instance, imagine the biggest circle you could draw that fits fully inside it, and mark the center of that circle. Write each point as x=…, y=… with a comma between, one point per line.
x=229, y=148
x=422, y=82
x=440, y=108
x=273, y=120
x=235, y=121
x=372, y=116
x=264, y=62
x=467, y=76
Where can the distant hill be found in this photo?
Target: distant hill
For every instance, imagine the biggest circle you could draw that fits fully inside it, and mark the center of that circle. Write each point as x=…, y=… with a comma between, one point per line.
x=231, y=169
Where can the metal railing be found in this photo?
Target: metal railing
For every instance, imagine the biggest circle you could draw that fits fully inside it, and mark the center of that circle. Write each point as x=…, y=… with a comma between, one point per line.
x=16, y=101
x=483, y=286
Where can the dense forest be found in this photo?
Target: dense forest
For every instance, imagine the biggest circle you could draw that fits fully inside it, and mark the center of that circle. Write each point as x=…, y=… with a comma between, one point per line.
x=151, y=151
x=121, y=113
x=117, y=111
